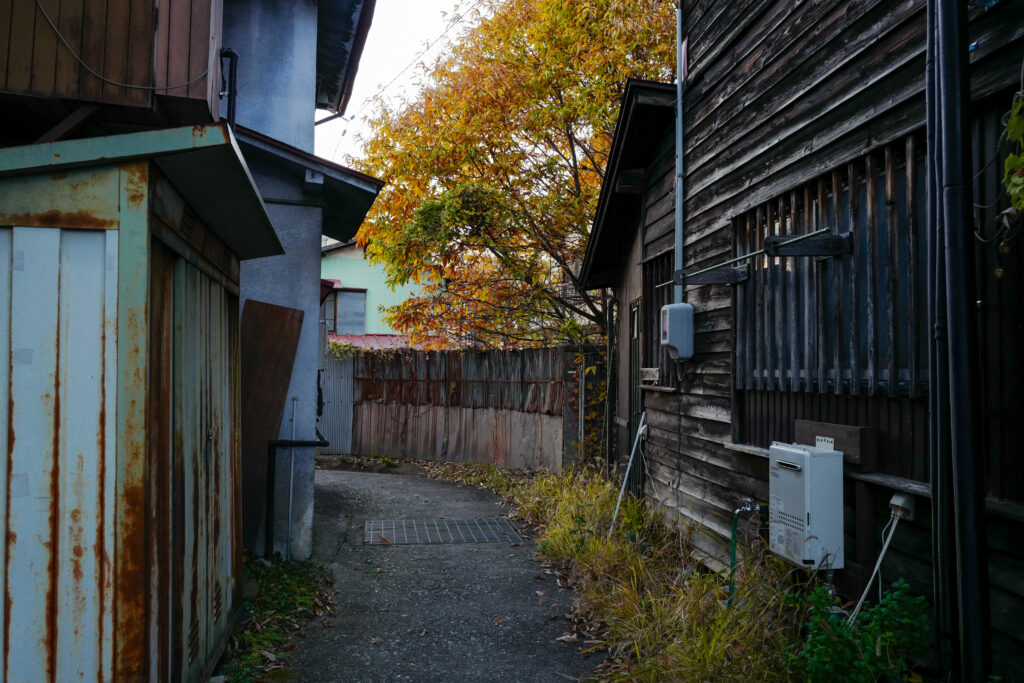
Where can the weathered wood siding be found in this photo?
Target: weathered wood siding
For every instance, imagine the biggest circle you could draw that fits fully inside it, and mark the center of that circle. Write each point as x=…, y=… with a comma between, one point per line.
x=158, y=43
x=780, y=94
x=513, y=408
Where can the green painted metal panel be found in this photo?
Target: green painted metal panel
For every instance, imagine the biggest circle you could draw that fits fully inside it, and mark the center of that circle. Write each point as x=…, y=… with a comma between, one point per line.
x=202, y=162
x=78, y=198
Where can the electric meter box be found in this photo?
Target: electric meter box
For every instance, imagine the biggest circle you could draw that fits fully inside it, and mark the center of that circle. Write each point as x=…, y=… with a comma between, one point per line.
x=805, y=505
x=677, y=330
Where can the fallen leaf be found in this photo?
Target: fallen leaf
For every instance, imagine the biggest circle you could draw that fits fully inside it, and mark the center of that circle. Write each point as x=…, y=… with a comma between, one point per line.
x=376, y=641
x=268, y=655
x=300, y=634
x=383, y=541
x=291, y=646
x=423, y=633
x=380, y=569
x=327, y=622
x=497, y=620
x=568, y=638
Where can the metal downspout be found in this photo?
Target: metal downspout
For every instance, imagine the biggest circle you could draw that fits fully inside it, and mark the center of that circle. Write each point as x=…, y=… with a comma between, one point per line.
x=943, y=588
x=680, y=172
x=971, y=545
x=232, y=88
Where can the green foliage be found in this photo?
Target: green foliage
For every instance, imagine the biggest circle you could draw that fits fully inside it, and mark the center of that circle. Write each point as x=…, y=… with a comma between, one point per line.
x=877, y=644
x=492, y=216
x=342, y=350
x=662, y=616
x=288, y=595
x=1013, y=168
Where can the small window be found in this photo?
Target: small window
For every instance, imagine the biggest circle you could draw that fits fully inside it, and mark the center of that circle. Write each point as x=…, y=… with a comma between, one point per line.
x=329, y=312
x=657, y=292
x=351, y=312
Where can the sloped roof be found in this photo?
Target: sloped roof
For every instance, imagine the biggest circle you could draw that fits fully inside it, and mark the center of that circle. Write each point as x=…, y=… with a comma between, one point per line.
x=342, y=26
x=347, y=194
x=648, y=109
x=203, y=163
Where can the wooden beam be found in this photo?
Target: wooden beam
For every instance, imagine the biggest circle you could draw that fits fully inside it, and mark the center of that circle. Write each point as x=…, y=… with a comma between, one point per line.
x=857, y=444
x=631, y=181
x=822, y=245
x=69, y=123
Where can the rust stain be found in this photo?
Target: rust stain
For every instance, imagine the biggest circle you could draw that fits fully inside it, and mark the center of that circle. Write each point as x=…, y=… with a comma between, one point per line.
x=59, y=219
x=58, y=175
x=101, y=442
x=137, y=180
x=50, y=641
x=12, y=537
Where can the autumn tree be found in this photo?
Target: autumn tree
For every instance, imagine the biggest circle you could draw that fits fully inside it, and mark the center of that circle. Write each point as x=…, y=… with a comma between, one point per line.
x=493, y=170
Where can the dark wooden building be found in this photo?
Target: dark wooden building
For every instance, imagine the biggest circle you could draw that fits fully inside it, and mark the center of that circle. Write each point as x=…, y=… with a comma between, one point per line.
x=799, y=116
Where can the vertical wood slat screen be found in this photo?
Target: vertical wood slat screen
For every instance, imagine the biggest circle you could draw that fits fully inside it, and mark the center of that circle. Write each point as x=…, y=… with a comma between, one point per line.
x=657, y=271
x=846, y=324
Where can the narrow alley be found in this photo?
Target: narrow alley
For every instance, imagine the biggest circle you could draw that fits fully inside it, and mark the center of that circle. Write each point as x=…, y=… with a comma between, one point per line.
x=435, y=611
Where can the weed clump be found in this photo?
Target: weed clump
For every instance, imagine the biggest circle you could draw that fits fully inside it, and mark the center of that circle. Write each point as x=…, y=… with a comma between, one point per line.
x=645, y=594
x=286, y=595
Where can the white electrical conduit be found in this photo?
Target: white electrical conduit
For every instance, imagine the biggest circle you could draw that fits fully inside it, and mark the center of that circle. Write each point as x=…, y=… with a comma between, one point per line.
x=885, y=546
x=641, y=431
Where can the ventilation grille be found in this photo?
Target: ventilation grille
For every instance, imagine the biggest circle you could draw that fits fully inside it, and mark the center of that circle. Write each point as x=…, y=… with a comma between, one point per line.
x=193, y=639
x=218, y=601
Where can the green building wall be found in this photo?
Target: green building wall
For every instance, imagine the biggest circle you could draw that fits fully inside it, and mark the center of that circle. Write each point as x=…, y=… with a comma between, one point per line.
x=347, y=265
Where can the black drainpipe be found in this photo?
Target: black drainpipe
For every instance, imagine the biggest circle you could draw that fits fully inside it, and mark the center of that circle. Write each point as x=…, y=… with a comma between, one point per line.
x=231, y=90
x=956, y=222
x=272, y=446
x=943, y=540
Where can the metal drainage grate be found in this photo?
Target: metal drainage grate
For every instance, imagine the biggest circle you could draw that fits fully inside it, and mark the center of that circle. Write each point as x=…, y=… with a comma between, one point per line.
x=422, y=531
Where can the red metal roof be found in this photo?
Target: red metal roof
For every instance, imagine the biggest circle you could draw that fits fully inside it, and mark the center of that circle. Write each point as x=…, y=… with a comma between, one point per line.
x=376, y=341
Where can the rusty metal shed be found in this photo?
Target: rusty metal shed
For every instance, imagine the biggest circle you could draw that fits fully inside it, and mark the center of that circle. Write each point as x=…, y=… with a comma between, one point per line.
x=119, y=387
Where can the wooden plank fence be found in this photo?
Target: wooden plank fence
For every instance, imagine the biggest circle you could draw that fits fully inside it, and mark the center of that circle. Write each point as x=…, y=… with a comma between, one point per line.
x=514, y=408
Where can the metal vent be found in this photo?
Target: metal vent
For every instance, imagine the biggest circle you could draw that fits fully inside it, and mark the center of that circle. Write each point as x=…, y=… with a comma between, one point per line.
x=218, y=601
x=434, y=531
x=193, y=639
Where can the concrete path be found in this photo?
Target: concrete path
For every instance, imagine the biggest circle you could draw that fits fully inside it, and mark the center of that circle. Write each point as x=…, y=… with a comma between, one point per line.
x=457, y=612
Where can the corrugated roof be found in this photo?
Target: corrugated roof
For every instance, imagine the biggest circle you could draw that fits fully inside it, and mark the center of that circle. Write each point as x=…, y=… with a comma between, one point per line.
x=376, y=341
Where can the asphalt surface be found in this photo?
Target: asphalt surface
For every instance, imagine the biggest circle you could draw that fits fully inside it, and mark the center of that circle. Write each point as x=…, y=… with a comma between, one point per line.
x=456, y=612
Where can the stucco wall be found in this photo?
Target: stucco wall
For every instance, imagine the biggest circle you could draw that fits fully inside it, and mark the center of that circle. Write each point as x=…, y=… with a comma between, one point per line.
x=291, y=280
x=348, y=266
x=276, y=45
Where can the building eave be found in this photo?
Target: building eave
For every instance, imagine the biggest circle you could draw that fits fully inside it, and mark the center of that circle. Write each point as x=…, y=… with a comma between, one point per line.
x=646, y=111
x=204, y=164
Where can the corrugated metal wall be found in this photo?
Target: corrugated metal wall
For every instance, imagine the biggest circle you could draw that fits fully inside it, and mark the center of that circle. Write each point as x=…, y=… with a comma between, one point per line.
x=205, y=381
x=58, y=298
x=338, y=388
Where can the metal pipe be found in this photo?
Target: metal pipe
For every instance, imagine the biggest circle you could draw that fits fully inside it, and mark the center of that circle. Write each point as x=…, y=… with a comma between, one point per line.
x=291, y=487
x=641, y=431
x=232, y=89
x=751, y=255
x=610, y=404
x=272, y=446
x=971, y=546
x=581, y=404
x=938, y=394
x=680, y=171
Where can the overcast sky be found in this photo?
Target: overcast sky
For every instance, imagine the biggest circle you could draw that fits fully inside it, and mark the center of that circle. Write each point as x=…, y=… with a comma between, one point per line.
x=400, y=31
